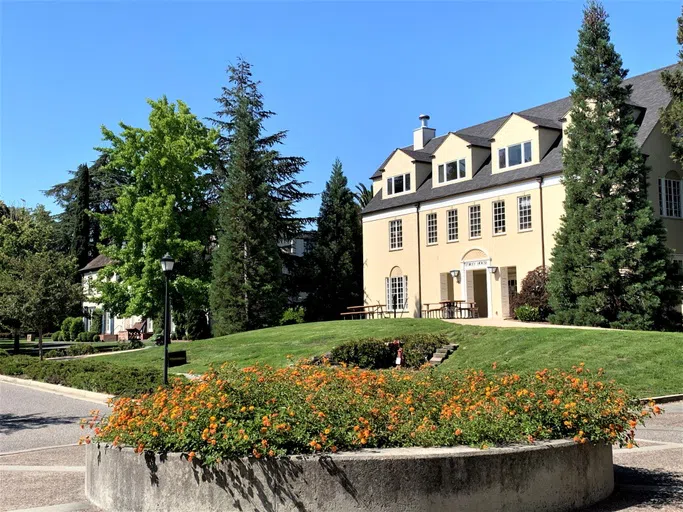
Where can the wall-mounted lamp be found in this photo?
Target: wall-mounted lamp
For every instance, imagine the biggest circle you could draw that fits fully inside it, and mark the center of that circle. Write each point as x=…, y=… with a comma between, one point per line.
x=455, y=273
x=493, y=270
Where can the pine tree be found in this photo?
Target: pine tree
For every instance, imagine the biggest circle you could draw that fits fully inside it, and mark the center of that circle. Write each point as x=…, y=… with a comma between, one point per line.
x=257, y=209
x=338, y=249
x=610, y=262
x=672, y=116
x=81, y=241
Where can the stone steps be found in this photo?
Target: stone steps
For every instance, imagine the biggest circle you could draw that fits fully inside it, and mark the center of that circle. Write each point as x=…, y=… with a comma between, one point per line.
x=442, y=353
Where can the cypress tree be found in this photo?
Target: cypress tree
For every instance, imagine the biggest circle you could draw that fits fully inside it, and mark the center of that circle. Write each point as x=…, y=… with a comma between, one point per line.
x=338, y=248
x=610, y=262
x=81, y=246
x=256, y=210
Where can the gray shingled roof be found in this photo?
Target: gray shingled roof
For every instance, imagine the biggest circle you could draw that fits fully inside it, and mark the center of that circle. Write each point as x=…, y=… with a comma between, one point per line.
x=97, y=263
x=540, y=121
x=474, y=140
x=648, y=93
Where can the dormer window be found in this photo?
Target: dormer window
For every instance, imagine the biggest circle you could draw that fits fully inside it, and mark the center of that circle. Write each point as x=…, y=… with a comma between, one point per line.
x=517, y=154
x=398, y=184
x=452, y=171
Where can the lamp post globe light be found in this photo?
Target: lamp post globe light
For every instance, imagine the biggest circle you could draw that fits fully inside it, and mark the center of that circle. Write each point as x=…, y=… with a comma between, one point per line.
x=167, y=263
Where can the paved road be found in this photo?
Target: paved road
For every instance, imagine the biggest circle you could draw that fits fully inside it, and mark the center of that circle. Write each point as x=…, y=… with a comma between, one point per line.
x=30, y=418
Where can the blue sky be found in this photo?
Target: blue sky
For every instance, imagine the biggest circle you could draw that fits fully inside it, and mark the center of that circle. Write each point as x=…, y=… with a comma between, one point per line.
x=347, y=80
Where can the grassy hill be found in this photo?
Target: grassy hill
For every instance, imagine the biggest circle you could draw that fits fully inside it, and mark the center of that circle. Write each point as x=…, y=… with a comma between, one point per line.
x=646, y=363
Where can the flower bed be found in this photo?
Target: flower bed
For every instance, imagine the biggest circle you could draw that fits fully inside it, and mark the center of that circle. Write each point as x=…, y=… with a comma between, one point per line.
x=265, y=412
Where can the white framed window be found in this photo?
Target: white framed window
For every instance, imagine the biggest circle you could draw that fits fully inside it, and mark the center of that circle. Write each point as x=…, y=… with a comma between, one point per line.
x=395, y=234
x=432, y=232
x=524, y=213
x=670, y=197
x=397, y=292
x=398, y=184
x=452, y=171
x=475, y=221
x=516, y=154
x=499, y=217
x=452, y=225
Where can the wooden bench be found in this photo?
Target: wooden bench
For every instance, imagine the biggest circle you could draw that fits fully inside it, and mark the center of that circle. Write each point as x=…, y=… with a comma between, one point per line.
x=177, y=358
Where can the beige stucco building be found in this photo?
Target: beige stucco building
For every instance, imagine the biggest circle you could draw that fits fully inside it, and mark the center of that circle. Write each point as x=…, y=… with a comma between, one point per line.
x=467, y=214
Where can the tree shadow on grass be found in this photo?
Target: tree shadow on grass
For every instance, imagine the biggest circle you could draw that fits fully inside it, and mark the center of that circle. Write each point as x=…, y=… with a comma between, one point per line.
x=10, y=423
x=639, y=487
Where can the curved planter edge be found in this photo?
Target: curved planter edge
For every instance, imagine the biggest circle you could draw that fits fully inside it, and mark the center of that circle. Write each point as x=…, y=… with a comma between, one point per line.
x=546, y=476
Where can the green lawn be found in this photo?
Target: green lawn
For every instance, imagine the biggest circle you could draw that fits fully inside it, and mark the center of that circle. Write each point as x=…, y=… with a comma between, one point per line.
x=646, y=363
x=272, y=346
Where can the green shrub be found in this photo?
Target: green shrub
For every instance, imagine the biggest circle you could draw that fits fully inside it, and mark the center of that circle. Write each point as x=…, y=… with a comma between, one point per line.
x=526, y=313
x=83, y=337
x=367, y=353
x=88, y=374
x=96, y=320
x=95, y=336
x=57, y=336
x=293, y=316
x=55, y=353
x=534, y=293
x=72, y=327
x=4, y=353
x=133, y=344
x=380, y=353
x=80, y=350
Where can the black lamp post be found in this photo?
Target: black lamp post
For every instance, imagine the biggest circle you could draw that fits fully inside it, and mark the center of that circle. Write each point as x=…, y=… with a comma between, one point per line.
x=167, y=267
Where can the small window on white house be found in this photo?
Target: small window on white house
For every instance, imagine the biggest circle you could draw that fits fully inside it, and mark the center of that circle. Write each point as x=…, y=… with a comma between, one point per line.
x=432, y=233
x=397, y=292
x=475, y=221
x=524, y=212
x=452, y=225
x=396, y=234
x=452, y=171
x=398, y=184
x=670, y=197
x=516, y=154
x=499, y=217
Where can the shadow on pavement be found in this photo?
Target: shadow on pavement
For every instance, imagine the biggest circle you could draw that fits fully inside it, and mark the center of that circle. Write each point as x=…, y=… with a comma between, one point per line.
x=639, y=487
x=10, y=423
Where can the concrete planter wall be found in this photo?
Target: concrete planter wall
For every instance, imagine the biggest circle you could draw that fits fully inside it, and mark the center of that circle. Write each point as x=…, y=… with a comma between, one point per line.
x=553, y=476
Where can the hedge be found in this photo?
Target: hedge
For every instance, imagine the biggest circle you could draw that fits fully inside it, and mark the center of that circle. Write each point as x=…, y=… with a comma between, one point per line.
x=265, y=412
x=377, y=353
x=86, y=374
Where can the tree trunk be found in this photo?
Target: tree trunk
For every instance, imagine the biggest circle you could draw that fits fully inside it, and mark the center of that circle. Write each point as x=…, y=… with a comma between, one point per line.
x=40, y=343
x=16, y=342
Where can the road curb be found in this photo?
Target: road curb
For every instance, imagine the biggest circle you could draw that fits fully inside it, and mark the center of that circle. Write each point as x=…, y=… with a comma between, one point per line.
x=662, y=399
x=80, y=394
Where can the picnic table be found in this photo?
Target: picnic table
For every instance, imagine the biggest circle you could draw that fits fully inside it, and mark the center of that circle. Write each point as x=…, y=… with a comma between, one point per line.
x=366, y=311
x=458, y=308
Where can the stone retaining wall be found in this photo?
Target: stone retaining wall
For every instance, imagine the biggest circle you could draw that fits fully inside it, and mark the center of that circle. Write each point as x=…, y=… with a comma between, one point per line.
x=553, y=476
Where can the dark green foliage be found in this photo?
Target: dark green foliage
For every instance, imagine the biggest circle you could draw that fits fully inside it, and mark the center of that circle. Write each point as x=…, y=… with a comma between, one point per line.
x=363, y=195
x=72, y=327
x=81, y=242
x=672, y=116
x=368, y=353
x=257, y=210
x=55, y=353
x=611, y=267
x=192, y=325
x=96, y=320
x=337, y=252
x=80, y=349
x=293, y=316
x=527, y=313
x=378, y=353
x=104, y=184
x=58, y=336
x=85, y=374
x=534, y=293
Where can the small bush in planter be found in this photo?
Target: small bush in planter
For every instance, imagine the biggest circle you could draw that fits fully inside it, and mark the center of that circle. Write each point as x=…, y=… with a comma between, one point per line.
x=526, y=313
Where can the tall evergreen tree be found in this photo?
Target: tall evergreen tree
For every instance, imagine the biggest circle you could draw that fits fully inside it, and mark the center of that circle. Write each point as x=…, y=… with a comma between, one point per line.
x=257, y=210
x=672, y=116
x=105, y=183
x=82, y=241
x=610, y=263
x=337, y=258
